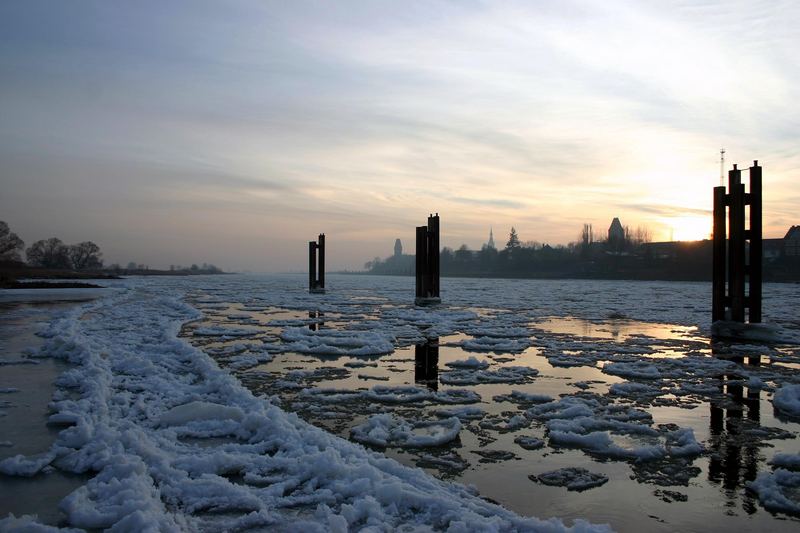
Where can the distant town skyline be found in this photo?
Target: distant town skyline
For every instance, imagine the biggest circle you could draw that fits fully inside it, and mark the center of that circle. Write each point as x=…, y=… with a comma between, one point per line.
x=190, y=132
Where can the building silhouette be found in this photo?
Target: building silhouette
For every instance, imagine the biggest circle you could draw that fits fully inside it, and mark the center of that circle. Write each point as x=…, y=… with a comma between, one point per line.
x=398, y=248
x=791, y=242
x=490, y=245
x=616, y=233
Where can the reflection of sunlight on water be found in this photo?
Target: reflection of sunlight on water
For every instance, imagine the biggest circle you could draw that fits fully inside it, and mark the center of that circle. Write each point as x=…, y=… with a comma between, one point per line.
x=617, y=329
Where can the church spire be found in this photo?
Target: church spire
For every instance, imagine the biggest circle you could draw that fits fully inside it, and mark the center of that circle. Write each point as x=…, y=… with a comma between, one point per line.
x=490, y=244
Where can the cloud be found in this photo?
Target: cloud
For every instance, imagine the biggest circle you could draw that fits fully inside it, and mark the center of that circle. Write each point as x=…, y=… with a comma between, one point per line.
x=493, y=202
x=278, y=118
x=665, y=210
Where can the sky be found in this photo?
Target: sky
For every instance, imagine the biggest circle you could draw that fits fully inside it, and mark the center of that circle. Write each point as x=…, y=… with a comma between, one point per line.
x=233, y=133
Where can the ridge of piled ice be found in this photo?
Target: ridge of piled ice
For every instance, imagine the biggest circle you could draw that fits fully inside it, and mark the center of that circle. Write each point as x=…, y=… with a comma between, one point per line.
x=139, y=390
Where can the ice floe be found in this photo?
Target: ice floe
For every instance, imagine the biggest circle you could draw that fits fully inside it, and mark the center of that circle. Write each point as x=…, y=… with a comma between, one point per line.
x=573, y=478
x=787, y=400
x=778, y=491
x=470, y=362
x=504, y=374
x=336, y=342
x=387, y=430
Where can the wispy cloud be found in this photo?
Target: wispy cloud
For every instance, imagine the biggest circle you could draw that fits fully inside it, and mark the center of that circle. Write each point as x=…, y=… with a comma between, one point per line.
x=276, y=119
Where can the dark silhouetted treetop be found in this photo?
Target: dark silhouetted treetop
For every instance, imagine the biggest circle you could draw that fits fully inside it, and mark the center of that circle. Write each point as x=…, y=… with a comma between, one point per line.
x=10, y=244
x=85, y=255
x=513, y=240
x=48, y=253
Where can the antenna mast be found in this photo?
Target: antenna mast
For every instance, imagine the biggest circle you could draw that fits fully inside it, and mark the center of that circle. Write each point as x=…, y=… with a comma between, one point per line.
x=722, y=167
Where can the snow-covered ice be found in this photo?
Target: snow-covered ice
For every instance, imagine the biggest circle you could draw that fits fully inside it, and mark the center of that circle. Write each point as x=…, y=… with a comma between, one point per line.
x=175, y=441
x=141, y=392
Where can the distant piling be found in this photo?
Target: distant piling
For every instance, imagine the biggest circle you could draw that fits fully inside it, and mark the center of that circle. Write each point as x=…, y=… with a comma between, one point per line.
x=316, y=265
x=428, y=262
x=737, y=255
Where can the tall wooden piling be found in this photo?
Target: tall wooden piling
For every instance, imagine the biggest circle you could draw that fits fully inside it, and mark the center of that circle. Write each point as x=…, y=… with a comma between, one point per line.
x=756, y=245
x=316, y=265
x=737, y=252
x=736, y=245
x=719, y=266
x=427, y=263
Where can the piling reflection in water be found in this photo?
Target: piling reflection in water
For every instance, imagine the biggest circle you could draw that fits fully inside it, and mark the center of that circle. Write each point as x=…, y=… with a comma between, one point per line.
x=734, y=449
x=426, y=364
x=317, y=325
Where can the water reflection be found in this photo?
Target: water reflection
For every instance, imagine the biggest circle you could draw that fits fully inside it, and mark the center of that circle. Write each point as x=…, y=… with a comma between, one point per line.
x=426, y=364
x=616, y=329
x=319, y=322
x=733, y=444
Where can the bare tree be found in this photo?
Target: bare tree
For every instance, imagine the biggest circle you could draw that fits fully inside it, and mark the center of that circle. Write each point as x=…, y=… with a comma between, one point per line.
x=643, y=234
x=49, y=253
x=587, y=238
x=10, y=244
x=85, y=255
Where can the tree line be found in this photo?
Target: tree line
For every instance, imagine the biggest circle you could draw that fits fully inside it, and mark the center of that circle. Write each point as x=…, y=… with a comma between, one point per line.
x=50, y=253
x=54, y=254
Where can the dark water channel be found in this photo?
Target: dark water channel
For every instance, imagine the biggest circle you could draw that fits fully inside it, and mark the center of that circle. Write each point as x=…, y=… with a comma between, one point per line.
x=28, y=385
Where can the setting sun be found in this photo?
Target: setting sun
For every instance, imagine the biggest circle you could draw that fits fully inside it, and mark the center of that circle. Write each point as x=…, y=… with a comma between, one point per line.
x=691, y=228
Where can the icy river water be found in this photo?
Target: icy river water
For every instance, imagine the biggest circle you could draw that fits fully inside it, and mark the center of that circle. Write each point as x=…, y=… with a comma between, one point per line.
x=605, y=401
x=509, y=380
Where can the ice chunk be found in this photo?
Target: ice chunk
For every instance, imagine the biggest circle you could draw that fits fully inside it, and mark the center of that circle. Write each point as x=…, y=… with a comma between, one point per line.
x=20, y=465
x=453, y=396
x=573, y=478
x=789, y=461
x=498, y=345
x=397, y=394
x=787, y=400
x=386, y=430
x=521, y=397
x=336, y=342
x=636, y=369
x=470, y=362
x=778, y=491
x=529, y=443
x=197, y=411
x=633, y=389
x=504, y=374
x=462, y=413
x=29, y=524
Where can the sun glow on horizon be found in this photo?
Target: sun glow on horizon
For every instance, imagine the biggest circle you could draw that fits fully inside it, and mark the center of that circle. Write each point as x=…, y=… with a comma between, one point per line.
x=688, y=228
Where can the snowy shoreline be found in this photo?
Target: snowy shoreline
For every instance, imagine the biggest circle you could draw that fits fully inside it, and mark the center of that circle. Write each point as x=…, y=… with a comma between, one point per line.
x=124, y=410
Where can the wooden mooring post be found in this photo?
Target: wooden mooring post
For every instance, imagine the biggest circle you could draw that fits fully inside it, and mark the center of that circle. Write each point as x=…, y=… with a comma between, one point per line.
x=316, y=265
x=428, y=262
x=737, y=256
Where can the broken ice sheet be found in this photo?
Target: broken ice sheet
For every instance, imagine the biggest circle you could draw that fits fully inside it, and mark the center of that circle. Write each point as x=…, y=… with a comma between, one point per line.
x=573, y=478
